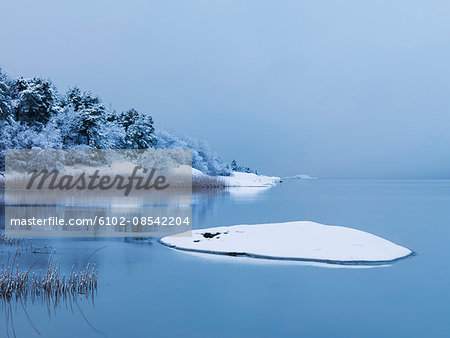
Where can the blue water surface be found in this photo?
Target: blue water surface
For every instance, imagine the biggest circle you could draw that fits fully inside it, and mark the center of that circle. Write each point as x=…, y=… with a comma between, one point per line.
x=148, y=290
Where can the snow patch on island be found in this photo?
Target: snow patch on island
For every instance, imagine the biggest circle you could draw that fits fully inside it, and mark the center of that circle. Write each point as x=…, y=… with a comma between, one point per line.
x=300, y=241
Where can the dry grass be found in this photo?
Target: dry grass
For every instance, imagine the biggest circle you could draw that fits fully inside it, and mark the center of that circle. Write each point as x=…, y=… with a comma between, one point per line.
x=23, y=245
x=205, y=181
x=17, y=283
x=48, y=287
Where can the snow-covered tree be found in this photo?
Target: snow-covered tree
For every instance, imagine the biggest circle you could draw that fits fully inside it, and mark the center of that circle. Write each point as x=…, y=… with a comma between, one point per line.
x=33, y=100
x=235, y=167
x=34, y=115
x=17, y=135
x=5, y=97
x=79, y=128
x=138, y=129
x=82, y=100
x=203, y=158
x=86, y=115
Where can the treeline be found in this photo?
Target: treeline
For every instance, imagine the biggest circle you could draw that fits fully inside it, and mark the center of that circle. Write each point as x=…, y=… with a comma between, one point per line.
x=33, y=114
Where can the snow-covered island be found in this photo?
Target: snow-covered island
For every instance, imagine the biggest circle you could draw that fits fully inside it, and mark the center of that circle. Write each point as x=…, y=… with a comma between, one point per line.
x=298, y=241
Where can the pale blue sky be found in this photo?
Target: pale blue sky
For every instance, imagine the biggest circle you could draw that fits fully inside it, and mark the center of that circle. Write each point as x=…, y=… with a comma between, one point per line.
x=328, y=88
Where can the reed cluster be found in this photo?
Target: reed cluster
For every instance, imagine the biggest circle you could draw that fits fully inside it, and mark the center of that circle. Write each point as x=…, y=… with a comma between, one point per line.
x=206, y=181
x=22, y=245
x=12, y=241
x=51, y=282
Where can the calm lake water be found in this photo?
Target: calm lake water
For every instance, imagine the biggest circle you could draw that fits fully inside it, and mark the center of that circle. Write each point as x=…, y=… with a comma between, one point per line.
x=146, y=289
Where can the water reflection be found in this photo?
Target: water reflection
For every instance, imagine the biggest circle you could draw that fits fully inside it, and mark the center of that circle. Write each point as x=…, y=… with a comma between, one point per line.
x=24, y=311
x=147, y=289
x=205, y=202
x=17, y=307
x=33, y=276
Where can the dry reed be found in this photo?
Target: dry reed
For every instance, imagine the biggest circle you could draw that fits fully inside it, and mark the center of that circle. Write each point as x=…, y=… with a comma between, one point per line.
x=50, y=282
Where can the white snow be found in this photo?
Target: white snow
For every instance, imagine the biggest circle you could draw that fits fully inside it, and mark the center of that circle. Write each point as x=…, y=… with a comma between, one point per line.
x=249, y=180
x=197, y=173
x=300, y=240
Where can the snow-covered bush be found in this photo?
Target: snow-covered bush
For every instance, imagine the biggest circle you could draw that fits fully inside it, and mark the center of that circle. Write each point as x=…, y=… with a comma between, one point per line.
x=16, y=135
x=203, y=158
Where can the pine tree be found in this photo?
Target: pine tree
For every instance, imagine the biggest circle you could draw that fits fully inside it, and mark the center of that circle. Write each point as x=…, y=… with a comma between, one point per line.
x=139, y=130
x=82, y=100
x=34, y=100
x=234, y=165
x=87, y=120
x=127, y=118
x=5, y=97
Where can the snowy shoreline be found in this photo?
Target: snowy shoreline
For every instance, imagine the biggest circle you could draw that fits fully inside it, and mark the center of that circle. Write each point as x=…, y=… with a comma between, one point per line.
x=238, y=179
x=294, y=241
